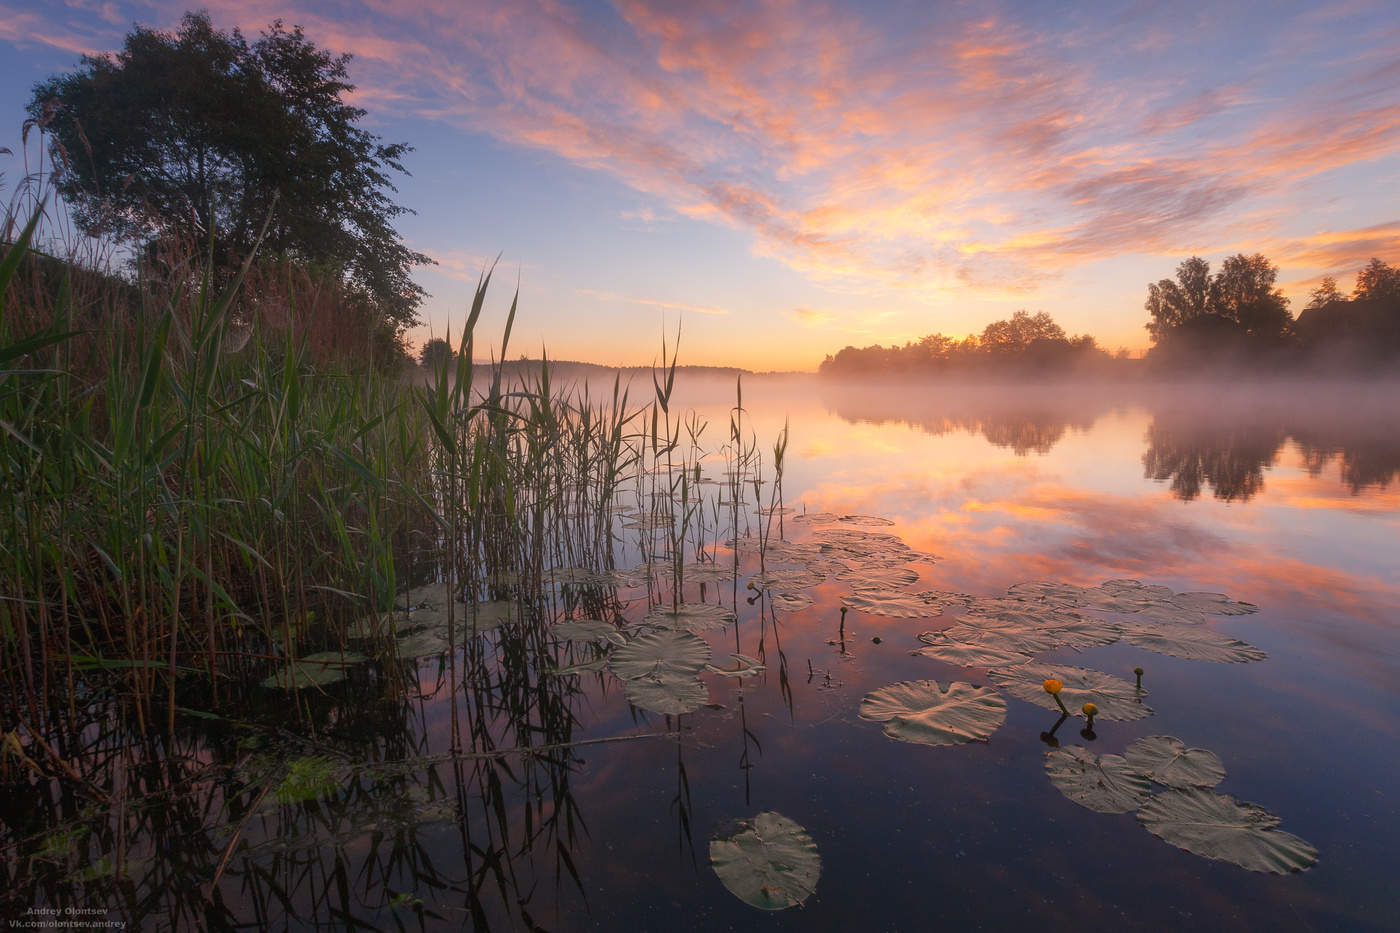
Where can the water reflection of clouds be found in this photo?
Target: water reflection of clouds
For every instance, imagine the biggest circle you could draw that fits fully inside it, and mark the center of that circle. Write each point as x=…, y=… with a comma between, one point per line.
x=996, y=523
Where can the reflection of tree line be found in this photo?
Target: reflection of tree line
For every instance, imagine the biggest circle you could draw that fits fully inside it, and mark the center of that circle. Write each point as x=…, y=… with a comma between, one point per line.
x=1007, y=422
x=1191, y=450
x=1194, y=447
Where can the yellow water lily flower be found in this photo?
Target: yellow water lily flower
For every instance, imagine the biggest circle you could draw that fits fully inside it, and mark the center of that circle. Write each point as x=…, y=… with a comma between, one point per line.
x=1090, y=710
x=1053, y=687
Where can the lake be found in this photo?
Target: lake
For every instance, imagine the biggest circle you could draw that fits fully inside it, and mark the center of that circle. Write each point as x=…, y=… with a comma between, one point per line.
x=916, y=509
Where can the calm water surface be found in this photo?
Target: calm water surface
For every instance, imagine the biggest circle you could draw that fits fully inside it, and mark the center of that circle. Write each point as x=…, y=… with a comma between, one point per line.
x=1289, y=501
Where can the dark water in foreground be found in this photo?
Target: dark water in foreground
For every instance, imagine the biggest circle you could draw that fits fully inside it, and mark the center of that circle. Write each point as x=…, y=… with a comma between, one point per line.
x=1292, y=509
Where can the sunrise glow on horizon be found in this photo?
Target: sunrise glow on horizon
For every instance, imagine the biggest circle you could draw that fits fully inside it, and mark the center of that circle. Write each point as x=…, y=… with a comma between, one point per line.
x=783, y=179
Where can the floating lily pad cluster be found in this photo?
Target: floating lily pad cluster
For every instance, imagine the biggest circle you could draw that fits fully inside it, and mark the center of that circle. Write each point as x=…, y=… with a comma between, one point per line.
x=419, y=621
x=1187, y=812
x=659, y=659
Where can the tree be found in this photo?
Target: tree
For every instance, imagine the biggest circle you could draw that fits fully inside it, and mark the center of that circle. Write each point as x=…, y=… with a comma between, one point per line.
x=199, y=133
x=1017, y=333
x=1241, y=298
x=1325, y=294
x=1243, y=292
x=1378, y=281
x=1173, y=304
x=436, y=352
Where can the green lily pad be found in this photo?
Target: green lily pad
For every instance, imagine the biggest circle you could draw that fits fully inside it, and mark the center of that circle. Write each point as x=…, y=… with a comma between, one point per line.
x=938, y=600
x=1218, y=826
x=1117, y=699
x=690, y=617
x=940, y=647
x=922, y=712
x=663, y=653
x=790, y=602
x=1214, y=604
x=708, y=572
x=314, y=670
x=1065, y=594
x=769, y=862
x=885, y=578
x=893, y=603
x=1107, y=784
x=671, y=694
x=1167, y=760
x=1124, y=596
x=420, y=645
x=1196, y=644
x=867, y=520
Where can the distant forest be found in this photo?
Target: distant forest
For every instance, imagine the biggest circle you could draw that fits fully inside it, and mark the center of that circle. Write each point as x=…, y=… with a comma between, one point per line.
x=1198, y=321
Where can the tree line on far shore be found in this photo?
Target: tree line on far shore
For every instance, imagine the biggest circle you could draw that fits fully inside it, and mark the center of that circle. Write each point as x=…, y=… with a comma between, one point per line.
x=1199, y=320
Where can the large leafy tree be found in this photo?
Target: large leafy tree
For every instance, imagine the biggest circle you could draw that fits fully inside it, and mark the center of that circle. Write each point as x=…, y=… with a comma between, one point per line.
x=202, y=133
x=1240, y=297
x=1018, y=332
x=1378, y=281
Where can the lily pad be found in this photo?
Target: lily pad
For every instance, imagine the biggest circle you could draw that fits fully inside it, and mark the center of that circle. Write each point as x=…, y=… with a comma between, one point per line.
x=769, y=862
x=1124, y=596
x=1218, y=826
x=314, y=670
x=892, y=603
x=1167, y=760
x=787, y=579
x=661, y=654
x=790, y=602
x=1116, y=698
x=867, y=520
x=690, y=617
x=1065, y=594
x=940, y=647
x=671, y=694
x=938, y=600
x=709, y=571
x=881, y=578
x=1214, y=604
x=1107, y=784
x=420, y=645
x=492, y=615
x=922, y=712
x=1196, y=644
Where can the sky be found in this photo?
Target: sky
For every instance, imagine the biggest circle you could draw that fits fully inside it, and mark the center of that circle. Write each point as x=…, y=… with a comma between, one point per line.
x=778, y=180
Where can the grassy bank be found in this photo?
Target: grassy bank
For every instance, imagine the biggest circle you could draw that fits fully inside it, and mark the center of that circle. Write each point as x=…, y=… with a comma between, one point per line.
x=193, y=494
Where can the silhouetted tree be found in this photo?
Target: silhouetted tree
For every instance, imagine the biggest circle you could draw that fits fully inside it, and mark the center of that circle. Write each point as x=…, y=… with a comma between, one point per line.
x=1018, y=332
x=436, y=352
x=198, y=132
x=1378, y=281
x=1174, y=304
x=1325, y=293
x=1243, y=291
x=1238, y=301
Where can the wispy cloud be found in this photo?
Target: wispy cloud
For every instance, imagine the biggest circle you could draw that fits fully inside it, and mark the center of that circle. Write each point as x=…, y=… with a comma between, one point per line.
x=938, y=149
x=648, y=302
